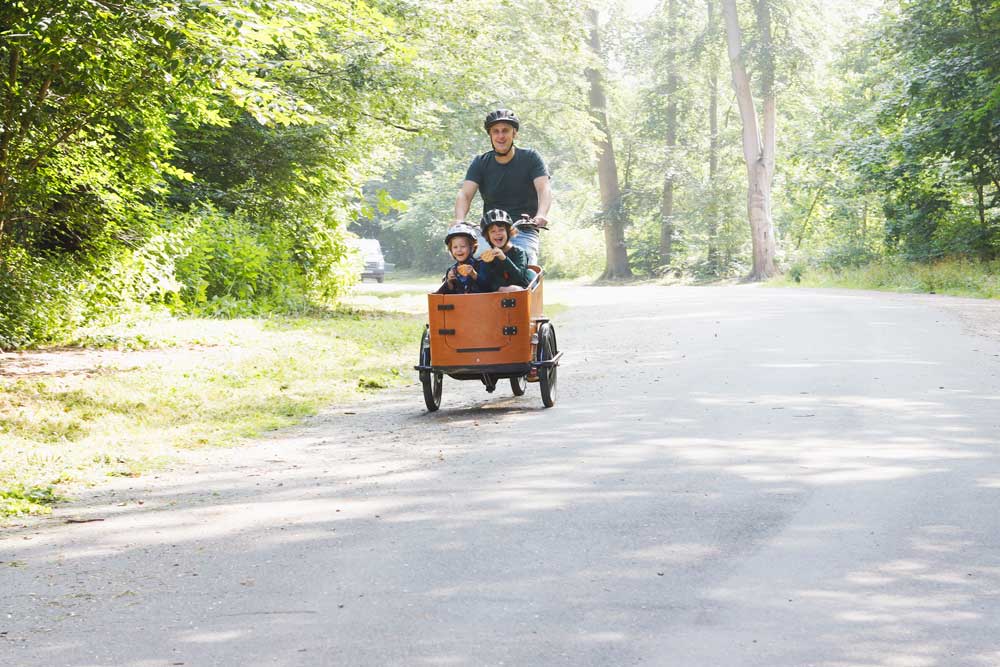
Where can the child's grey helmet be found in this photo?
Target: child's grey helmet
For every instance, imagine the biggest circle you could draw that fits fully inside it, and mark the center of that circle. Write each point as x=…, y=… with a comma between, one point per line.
x=495, y=216
x=460, y=229
x=501, y=116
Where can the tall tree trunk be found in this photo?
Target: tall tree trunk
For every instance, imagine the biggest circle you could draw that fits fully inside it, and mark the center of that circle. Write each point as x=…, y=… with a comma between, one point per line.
x=984, y=247
x=713, y=142
x=667, y=201
x=812, y=207
x=616, y=258
x=758, y=141
x=864, y=225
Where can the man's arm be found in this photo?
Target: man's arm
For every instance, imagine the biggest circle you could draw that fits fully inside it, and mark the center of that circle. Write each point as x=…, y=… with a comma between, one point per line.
x=544, y=191
x=464, y=199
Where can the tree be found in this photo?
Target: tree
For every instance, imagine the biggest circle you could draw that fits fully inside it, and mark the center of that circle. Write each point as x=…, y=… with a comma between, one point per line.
x=243, y=127
x=712, y=85
x=670, y=138
x=758, y=137
x=939, y=120
x=542, y=79
x=85, y=99
x=612, y=211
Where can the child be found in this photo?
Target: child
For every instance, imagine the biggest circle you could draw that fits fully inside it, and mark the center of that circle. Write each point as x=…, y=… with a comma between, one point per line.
x=506, y=265
x=466, y=275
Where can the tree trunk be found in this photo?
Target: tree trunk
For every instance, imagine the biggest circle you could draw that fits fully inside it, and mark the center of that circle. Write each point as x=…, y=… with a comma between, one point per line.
x=713, y=143
x=616, y=258
x=805, y=221
x=864, y=225
x=667, y=201
x=758, y=141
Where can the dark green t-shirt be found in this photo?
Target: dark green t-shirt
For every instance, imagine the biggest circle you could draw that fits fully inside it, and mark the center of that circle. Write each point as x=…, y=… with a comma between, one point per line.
x=511, y=186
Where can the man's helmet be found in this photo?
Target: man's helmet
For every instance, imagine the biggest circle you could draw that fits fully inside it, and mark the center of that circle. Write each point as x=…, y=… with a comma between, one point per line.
x=460, y=229
x=495, y=216
x=501, y=116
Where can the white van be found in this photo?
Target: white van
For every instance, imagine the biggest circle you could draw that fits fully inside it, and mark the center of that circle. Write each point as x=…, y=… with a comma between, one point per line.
x=371, y=253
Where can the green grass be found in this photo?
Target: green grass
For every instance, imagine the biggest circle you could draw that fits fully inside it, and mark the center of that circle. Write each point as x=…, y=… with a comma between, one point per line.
x=141, y=391
x=957, y=277
x=16, y=500
x=122, y=400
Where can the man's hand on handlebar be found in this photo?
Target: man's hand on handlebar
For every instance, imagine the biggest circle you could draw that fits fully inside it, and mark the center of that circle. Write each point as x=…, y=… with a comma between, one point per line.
x=538, y=222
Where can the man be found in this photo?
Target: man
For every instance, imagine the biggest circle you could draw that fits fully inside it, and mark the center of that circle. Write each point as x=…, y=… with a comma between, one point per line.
x=513, y=179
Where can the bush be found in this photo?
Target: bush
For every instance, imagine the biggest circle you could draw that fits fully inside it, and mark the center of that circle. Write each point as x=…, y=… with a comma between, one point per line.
x=960, y=276
x=572, y=252
x=232, y=265
x=44, y=298
x=38, y=299
x=796, y=271
x=209, y=263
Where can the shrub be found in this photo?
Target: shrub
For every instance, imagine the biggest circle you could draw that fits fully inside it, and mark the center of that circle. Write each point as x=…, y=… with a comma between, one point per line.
x=39, y=299
x=232, y=265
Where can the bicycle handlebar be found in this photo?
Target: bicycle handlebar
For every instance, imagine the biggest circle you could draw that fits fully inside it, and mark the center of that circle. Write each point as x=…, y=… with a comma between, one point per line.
x=525, y=221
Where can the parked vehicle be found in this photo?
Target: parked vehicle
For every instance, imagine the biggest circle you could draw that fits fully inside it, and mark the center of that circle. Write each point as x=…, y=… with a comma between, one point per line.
x=371, y=254
x=489, y=337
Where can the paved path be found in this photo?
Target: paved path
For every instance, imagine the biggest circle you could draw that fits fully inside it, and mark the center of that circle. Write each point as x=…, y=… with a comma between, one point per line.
x=733, y=476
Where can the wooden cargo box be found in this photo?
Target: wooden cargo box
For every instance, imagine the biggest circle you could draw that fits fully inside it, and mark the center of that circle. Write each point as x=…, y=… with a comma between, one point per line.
x=473, y=330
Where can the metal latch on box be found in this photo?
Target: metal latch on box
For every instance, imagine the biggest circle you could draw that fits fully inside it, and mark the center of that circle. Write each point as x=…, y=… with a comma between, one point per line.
x=510, y=331
x=508, y=303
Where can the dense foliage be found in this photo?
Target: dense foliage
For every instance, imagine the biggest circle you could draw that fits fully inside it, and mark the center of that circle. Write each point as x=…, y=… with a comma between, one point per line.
x=888, y=133
x=209, y=157
x=939, y=128
x=203, y=155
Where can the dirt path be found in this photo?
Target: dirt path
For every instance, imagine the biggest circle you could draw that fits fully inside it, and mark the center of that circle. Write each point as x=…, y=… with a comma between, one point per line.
x=825, y=500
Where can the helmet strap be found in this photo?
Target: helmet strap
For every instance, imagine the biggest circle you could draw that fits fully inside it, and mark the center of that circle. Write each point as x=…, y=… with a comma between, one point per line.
x=507, y=152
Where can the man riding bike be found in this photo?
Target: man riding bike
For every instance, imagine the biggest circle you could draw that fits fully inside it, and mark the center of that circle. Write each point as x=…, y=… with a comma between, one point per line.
x=509, y=178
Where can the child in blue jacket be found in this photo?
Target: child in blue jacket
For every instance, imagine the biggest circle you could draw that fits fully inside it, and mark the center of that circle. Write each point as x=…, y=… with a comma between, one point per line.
x=466, y=275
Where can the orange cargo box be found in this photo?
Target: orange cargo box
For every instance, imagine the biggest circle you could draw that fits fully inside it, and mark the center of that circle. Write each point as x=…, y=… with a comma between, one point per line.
x=473, y=330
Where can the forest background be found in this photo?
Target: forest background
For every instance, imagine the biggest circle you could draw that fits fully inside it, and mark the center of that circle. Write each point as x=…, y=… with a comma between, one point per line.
x=209, y=157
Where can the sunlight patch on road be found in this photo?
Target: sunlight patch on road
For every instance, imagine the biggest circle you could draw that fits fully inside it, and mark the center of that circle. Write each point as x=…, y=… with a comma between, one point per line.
x=674, y=553
x=205, y=637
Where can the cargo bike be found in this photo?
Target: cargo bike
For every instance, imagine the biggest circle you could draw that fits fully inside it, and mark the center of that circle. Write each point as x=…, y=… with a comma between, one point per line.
x=489, y=337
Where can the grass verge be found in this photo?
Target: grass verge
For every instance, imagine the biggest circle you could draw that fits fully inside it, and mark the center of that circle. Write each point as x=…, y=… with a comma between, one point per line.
x=958, y=277
x=126, y=403
x=121, y=401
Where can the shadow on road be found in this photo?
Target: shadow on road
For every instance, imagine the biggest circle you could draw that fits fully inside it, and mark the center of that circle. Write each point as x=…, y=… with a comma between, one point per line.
x=730, y=478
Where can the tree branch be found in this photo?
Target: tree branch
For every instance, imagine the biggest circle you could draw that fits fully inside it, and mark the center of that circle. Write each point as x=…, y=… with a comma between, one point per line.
x=386, y=121
x=5, y=135
x=805, y=222
x=769, y=120
x=741, y=83
x=77, y=126
x=28, y=117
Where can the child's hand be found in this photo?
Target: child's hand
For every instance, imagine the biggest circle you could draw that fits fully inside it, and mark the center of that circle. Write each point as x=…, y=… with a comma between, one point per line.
x=451, y=275
x=464, y=269
x=488, y=255
x=498, y=253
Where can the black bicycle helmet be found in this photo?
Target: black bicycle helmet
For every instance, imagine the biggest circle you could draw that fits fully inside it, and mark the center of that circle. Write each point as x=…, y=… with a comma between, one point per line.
x=501, y=116
x=460, y=229
x=495, y=216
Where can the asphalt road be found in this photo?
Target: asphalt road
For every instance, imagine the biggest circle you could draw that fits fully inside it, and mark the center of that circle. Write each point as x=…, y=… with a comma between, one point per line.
x=732, y=476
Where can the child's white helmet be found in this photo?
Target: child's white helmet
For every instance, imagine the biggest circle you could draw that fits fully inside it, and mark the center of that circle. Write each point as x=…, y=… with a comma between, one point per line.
x=460, y=229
